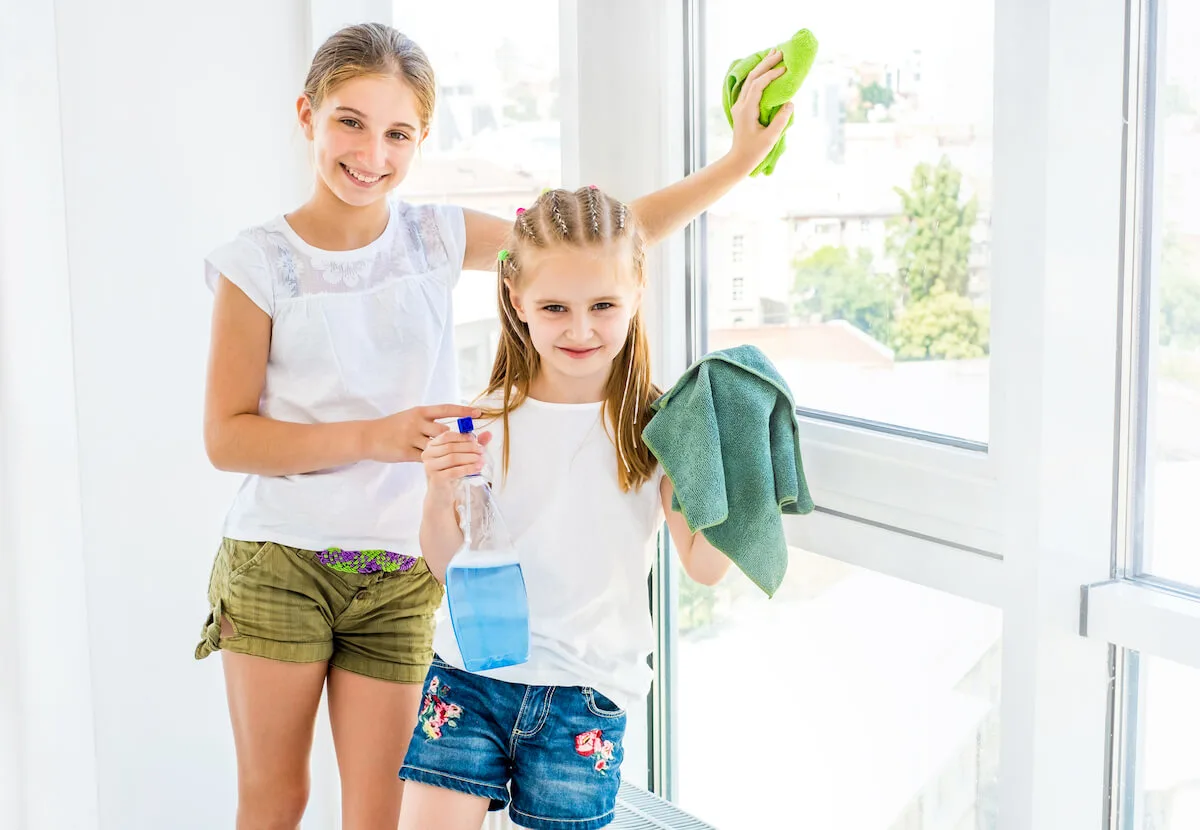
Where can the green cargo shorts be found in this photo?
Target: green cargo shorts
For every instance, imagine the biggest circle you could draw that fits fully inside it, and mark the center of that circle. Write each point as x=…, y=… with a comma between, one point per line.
x=282, y=603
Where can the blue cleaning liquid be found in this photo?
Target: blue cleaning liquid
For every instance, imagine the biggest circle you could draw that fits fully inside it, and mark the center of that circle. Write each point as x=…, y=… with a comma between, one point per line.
x=485, y=589
x=489, y=611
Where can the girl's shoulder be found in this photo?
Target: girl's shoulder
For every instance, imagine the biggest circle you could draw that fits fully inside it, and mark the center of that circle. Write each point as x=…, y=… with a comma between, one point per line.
x=436, y=231
x=249, y=261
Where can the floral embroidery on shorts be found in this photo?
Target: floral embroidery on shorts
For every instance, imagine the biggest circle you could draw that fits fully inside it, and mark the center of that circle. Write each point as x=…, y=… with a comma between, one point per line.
x=436, y=712
x=591, y=744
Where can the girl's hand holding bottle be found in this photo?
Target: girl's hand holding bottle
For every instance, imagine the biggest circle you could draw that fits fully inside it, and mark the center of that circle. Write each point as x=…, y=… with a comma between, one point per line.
x=406, y=435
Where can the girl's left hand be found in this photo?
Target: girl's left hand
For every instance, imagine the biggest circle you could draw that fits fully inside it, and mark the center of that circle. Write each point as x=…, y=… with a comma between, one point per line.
x=451, y=456
x=751, y=140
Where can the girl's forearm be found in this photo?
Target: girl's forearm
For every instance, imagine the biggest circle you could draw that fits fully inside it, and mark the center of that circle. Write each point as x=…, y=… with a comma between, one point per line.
x=259, y=445
x=441, y=537
x=665, y=211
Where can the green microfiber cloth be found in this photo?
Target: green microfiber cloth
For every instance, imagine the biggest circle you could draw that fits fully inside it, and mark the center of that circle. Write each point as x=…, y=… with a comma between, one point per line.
x=727, y=437
x=798, y=56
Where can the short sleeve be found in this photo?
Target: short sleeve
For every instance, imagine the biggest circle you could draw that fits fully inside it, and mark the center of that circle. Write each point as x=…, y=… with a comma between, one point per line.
x=243, y=263
x=656, y=478
x=453, y=227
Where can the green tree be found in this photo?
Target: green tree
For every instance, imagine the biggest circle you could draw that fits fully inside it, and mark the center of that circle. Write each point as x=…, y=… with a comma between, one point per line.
x=941, y=326
x=836, y=285
x=873, y=93
x=931, y=240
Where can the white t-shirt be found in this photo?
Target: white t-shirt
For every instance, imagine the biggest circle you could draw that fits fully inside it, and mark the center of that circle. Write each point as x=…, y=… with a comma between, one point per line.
x=354, y=335
x=585, y=548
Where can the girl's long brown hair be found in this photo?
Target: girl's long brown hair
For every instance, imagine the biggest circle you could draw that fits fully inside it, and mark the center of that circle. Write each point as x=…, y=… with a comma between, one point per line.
x=590, y=220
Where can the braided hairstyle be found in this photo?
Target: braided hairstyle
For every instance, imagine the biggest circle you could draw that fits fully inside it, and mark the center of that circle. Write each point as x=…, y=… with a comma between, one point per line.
x=584, y=219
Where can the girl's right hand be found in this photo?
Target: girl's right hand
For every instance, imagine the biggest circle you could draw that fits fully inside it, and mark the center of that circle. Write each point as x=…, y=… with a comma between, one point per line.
x=451, y=456
x=405, y=435
x=751, y=140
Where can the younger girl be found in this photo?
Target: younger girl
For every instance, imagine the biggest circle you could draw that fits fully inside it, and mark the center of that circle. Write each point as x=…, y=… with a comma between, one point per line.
x=583, y=498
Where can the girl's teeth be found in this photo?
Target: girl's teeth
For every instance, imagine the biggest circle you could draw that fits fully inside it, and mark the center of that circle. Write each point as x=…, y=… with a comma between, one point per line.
x=362, y=178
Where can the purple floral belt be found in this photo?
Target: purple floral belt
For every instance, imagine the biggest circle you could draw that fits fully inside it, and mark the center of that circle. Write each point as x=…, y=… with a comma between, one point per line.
x=365, y=561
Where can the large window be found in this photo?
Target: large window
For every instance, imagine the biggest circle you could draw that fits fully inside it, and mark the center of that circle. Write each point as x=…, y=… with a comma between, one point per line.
x=861, y=266
x=495, y=141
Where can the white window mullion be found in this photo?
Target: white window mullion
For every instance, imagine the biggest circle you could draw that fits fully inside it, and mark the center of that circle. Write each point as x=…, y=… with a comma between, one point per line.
x=1058, y=166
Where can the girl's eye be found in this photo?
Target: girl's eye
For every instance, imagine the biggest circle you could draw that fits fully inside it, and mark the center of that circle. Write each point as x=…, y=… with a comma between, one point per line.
x=398, y=136
x=554, y=309
x=602, y=306
x=350, y=122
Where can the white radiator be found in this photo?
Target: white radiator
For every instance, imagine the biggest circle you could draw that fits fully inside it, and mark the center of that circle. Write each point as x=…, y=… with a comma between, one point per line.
x=636, y=810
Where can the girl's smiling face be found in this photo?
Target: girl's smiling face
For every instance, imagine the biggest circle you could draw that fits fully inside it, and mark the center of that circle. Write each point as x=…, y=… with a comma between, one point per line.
x=364, y=136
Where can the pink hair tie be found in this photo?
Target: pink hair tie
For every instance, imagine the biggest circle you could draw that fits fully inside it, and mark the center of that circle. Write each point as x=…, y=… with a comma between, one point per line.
x=520, y=211
x=592, y=187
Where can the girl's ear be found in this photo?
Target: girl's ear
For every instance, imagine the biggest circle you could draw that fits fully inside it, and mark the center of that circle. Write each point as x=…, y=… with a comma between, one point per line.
x=304, y=114
x=515, y=299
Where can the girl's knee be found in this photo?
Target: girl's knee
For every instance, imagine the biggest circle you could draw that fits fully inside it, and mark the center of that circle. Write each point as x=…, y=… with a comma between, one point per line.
x=270, y=805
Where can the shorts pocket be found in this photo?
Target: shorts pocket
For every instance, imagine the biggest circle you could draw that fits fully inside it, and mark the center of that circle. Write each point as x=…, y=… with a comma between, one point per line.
x=601, y=706
x=245, y=555
x=232, y=560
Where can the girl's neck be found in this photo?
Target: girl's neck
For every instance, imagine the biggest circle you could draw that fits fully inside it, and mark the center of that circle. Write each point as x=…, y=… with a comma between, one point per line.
x=552, y=387
x=328, y=223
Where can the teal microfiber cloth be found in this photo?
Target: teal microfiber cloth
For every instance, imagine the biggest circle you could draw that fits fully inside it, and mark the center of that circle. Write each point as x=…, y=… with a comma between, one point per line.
x=798, y=55
x=727, y=437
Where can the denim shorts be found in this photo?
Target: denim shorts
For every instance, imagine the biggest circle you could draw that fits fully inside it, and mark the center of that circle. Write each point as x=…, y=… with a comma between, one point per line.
x=553, y=751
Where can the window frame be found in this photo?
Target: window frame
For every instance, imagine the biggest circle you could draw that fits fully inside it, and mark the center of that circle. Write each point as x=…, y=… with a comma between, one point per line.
x=1026, y=521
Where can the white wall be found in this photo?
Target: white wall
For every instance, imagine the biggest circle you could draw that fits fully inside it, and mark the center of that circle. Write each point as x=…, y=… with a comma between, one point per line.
x=45, y=705
x=137, y=136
